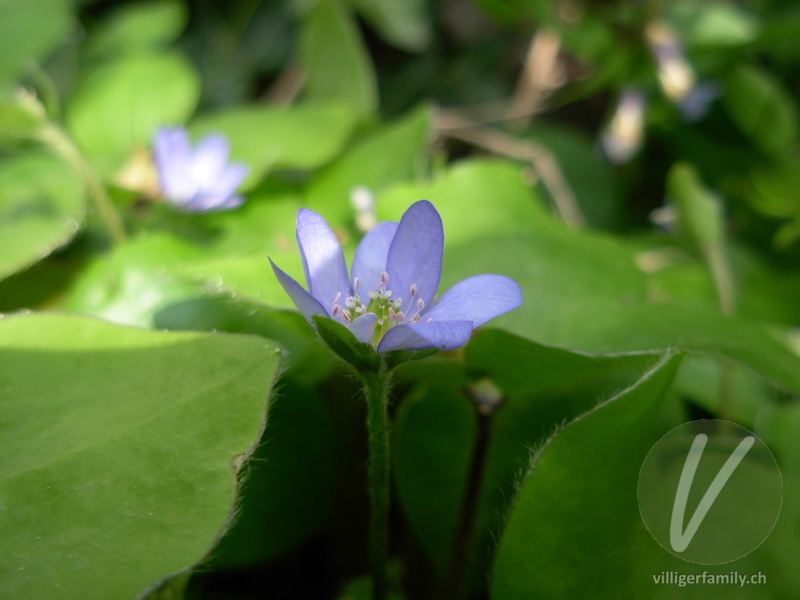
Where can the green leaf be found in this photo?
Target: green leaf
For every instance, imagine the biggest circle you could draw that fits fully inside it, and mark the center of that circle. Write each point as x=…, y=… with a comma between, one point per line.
x=761, y=107
x=139, y=27
x=119, y=105
x=41, y=207
x=121, y=450
x=582, y=291
x=554, y=544
x=265, y=137
x=699, y=211
x=339, y=339
x=392, y=154
x=22, y=117
x=335, y=61
x=406, y=25
x=28, y=31
x=132, y=284
x=712, y=24
x=437, y=425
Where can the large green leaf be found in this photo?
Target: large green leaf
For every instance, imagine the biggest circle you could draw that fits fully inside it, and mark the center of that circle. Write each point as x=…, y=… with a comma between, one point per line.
x=267, y=137
x=583, y=291
x=28, y=30
x=437, y=426
x=335, y=61
x=556, y=544
x=119, y=105
x=474, y=198
x=41, y=207
x=121, y=450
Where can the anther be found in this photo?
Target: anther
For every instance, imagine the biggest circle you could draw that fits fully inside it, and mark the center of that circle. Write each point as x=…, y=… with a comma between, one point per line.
x=336, y=297
x=413, y=289
x=355, y=285
x=420, y=304
x=336, y=310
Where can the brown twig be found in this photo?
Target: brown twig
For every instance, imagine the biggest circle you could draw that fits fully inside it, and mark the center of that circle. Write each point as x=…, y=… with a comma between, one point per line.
x=544, y=163
x=540, y=76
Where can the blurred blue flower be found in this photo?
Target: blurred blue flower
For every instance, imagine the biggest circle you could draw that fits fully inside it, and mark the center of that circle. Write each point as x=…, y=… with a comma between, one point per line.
x=695, y=104
x=622, y=137
x=197, y=179
x=389, y=302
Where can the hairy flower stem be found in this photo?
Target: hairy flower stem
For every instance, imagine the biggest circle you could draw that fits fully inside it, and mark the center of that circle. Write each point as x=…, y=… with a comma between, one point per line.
x=377, y=387
x=52, y=136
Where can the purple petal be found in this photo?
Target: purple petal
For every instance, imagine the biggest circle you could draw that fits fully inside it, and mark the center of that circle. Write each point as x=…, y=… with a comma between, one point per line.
x=304, y=301
x=476, y=299
x=209, y=202
x=230, y=179
x=445, y=335
x=323, y=260
x=209, y=160
x=171, y=152
x=415, y=256
x=371, y=255
x=363, y=327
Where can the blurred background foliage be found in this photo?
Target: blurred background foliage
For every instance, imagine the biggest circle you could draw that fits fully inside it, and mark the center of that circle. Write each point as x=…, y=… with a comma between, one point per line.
x=633, y=164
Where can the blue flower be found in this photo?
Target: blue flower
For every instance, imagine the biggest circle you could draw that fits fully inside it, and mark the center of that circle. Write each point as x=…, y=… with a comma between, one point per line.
x=197, y=179
x=389, y=301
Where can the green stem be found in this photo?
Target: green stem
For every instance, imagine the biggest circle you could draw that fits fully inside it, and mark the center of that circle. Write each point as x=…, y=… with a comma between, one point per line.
x=376, y=389
x=55, y=138
x=722, y=275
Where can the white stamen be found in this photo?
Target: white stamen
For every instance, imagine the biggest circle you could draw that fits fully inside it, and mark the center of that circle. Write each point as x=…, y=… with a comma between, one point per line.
x=420, y=304
x=380, y=321
x=429, y=320
x=413, y=289
x=355, y=285
x=346, y=318
x=336, y=297
x=415, y=318
x=359, y=309
x=336, y=310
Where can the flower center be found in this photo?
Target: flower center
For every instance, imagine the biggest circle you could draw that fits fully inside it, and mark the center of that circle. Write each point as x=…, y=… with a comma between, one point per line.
x=381, y=303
